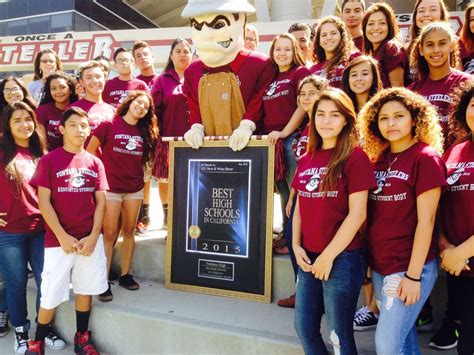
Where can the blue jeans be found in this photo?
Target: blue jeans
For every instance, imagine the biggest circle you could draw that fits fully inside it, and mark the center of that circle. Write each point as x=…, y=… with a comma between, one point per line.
x=16, y=250
x=396, y=330
x=337, y=297
x=3, y=295
x=290, y=161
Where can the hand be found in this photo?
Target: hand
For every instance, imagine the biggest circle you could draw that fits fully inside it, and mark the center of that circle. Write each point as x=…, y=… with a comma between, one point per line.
x=288, y=207
x=274, y=136
x=3, y=222
x=241, y=135
x=86, y=246
x=302, y=259
x=322, y=266
x=195, y=136
x=68, y=243
x=453, y=261
x=409, y=291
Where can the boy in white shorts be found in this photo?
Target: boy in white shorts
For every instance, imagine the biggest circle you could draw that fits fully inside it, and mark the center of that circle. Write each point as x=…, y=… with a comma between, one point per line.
x=71, y=190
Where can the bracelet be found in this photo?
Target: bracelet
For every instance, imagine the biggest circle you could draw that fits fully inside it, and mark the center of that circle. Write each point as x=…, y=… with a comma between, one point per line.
x=411, y=278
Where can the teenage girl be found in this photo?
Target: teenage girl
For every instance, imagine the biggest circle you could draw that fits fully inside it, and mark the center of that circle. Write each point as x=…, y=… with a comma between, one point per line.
x=331, y=182
x=403, y=139
x=466, y=41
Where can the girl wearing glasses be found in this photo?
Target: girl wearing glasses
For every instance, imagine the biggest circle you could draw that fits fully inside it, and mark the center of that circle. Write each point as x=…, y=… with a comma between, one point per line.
x=403, y=139
x=46, y=63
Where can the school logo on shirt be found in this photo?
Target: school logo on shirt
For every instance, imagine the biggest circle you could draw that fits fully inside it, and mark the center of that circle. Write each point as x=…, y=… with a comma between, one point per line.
x=132, y=144
x=78, y=180
x=271, y=90
x=313, y=182
x=454, y=177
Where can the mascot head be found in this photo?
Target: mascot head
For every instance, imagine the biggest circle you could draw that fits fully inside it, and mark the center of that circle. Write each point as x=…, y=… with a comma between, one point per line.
x=217, y=28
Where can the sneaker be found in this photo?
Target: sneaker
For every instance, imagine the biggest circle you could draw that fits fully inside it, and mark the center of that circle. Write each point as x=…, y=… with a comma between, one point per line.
x=364, y=319
x=424, y=322
x=107, y=296
x=113, y=276
x=83, y=344
x=30, y=273
x=287, y=302
x=35, y=348
x=20, y=343
x=141, y=228
x=3, y=323
x=53, y=341
x=128, y=282
x=446, y=337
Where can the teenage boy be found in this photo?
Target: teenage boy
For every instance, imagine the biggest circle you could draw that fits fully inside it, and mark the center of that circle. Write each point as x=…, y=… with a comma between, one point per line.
x=71, y=192
x=117, y=89
x=143, y=56
x=92, y=79
x=352, y=15
x=302, y=33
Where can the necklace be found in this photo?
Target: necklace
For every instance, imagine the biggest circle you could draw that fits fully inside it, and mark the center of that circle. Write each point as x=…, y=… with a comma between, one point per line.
x=390, y=163
x=382, y=181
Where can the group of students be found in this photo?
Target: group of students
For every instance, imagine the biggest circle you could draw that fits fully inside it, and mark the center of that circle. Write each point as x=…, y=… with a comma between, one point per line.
x=363, y=166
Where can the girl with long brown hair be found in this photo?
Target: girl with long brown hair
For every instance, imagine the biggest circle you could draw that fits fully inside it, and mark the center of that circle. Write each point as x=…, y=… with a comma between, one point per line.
x=466, y=41
x=331, y=182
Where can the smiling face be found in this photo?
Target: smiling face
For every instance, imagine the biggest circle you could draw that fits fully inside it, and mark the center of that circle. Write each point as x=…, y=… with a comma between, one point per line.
x=93, y=81
x=139, y=107
x=361, y=78
x=428, y=11
x=283, y=53
x=60, y=90
x=12, y=92
x=218, y=38
x=307, y=97
x=470, y=115
x=329, y=37
x=436, y=49
x=395, y=123
x=22, y=126
x=377, y=28
x=47, y=64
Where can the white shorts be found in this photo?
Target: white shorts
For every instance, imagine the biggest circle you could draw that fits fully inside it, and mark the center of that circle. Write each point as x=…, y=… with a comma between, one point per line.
x=88, y=274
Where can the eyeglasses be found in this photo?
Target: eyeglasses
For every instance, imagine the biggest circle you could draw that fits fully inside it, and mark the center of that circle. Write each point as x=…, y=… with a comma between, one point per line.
x=250, y=39
x=13, y=90
x=123, y=61
x=47, y=61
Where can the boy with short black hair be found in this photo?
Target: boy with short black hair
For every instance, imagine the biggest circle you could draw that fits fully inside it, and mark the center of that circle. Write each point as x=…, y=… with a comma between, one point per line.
x=71, y=190
x=352, y=15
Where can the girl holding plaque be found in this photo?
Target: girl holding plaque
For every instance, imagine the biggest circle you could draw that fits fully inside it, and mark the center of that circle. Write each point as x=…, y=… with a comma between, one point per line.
x=403, y=140
x=331, y=182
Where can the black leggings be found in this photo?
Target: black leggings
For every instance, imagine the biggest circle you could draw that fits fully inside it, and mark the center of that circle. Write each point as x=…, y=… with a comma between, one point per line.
x=461, y=307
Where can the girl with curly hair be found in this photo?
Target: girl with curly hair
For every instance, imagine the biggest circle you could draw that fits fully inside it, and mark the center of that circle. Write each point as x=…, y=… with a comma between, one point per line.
x=381, y=42
x=434, y=55
x=456, y=241
x=332, y=181
x=466, y=41
x=403, y=139
x=333, y=50
x=361, y=80
x=128, y=143
x=59, y=93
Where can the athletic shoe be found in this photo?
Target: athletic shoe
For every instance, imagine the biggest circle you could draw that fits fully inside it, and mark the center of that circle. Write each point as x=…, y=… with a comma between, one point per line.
x=424, y=322
x=35, y=348
x=107, y=296
x=53, y=341
x=446, y=337
x=128, y=282
x=83, y=344
x=113, y=276
x=364, y=319
x=30, y=273
x=287, y=302
x=20, y=343
x=3, y=323
x=141, y=228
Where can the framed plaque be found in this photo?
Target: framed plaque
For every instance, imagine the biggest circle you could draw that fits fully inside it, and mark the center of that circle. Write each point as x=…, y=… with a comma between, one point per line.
x=220, y=219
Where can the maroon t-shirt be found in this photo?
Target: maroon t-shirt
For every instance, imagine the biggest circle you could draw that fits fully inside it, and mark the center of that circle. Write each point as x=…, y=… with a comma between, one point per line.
x=335, y=74
x=439, y=93
x=122, y=150
x=466, y=58
x=392, y=213
x=254, y=73
x=50, y=117
x=279, y=100
x=97, y=112
x=390, y=55
x=299, y=145
x=73, y=180
x=322, y=213
x=148, y=79
x=171, y=106
x=116, y=90
x=19, y=199
x=457, y=202
x=359, y=43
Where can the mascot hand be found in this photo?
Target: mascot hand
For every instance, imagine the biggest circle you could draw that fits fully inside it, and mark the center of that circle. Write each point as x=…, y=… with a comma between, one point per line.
x=241, y=135
x=195, y=135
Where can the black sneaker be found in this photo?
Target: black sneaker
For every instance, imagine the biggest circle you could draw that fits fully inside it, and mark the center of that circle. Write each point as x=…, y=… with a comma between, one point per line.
x=3, y=323
x=128, y=282
x=107, y=296
x=365, y=319
x=424, y=322
x=113, y=276
x=53, y=340
x=446, y=337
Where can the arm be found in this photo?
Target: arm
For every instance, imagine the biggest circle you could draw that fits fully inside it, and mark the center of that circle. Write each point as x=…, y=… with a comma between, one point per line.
x=93, y=145
x=291, y=200
x=68, y=242
x=344, y=235
x=87, y=245
x=292, y=125
x=456, y=259
x=3, y=222
x=426, y=206
x=396, y=77
x=300, y=254
x=41, y=130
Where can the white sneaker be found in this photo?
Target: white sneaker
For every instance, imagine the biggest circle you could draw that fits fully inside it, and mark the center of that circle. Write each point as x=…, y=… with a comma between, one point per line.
x=20, y=343
x=53, y=341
